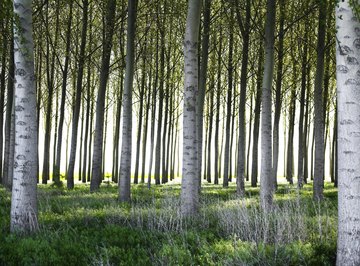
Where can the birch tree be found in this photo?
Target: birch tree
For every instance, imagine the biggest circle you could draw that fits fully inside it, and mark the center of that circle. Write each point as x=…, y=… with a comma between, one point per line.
x=190, y=183
x=23, y=200
x=347, y=76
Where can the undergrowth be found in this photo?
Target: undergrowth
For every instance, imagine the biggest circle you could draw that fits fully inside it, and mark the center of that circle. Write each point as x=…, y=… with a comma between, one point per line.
x=82, y=228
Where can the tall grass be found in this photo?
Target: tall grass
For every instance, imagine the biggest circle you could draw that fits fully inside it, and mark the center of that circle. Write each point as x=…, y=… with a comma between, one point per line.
x=226, y=231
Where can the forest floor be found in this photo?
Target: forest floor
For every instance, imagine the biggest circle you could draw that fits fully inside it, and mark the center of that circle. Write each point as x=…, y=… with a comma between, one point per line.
x=82, y=228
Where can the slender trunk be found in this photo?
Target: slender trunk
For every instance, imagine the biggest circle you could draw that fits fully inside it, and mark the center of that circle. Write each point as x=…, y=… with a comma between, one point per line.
x=306, y=134
x=2, y=94
x=202, y=81
x=57, y=165
x=249, y=140
x=290, y=148
x=117, y=130
x=9, y=122
x=103, y=173
x=81, y=142
x=50, y=75
x=240, y=187
x=86, y=137
x=217, y=119
x=125, y=163
x=228, y=108
x=145, y=133
x=211, y=120
x=267, y=184
x=97, y=159
x=190, y=179
x=278, y=93
x=302, y=125
x=88, y=179
x=318, y=106
x=166, y=137
x=77, y=106
x=257, y=111
x=158, y=155
x=153, y=114
x=141, y=107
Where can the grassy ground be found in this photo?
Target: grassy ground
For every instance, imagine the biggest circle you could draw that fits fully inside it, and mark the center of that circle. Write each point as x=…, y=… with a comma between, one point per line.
x=79, y=228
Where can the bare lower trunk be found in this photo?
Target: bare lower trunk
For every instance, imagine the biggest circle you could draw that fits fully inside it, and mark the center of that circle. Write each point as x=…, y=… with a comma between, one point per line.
x=190, y=179
x=9, y=123
x=77, y=106
x=266, y=189
x=240, y=176
x=318, y=107
x=255, y=159
x=347, y=58
x=97, y=159
x=24, y=195
x=125, y=163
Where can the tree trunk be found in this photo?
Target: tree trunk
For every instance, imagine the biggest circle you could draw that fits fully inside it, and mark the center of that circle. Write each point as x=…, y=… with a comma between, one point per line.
x=240, y=177
x=257, y=111
x=141, y=107
x=202, y=80
x=50, y=77
x=302, y=125
x=153, y=111
x=87, y=122
x=9, y=122
x=278, y=93
x=125, y=163
x=347, y=75
x=97, y=159
x=318, y=106
x=57, y=165
x=77, y=106
x=190, y=180
x=249, y=137
x=290, y=147
x=228, y=106
x=217, y=118
x=211, y=118
x=146, y=125
x=2, y=93
x=266, y=189
x=24, y=195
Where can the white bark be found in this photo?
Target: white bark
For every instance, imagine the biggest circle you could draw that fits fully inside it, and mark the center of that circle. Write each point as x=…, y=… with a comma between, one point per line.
x=24, y=201
x=266, y=188
x=190, y=182
x=348, y=82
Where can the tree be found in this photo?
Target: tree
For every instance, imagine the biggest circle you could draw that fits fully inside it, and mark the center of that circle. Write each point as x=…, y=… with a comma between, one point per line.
x=79, y=88
x=318, y=105
x=347, y=75
x=23, y=200
x=190, y=183
x=56, y=168
x=97, y=159
x=202, y=78
x=125, y=161
x=266, y=189
x=245, y=32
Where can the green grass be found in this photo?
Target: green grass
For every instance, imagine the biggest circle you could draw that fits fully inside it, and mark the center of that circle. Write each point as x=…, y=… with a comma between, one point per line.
x=82, y=228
